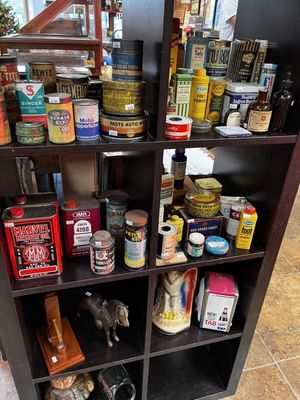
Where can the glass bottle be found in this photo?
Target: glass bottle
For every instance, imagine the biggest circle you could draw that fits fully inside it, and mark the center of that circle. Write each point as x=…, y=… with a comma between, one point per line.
x=178, y=167
x=233, y=115
x=171, y=106
x=259, y=114
x=282, y=101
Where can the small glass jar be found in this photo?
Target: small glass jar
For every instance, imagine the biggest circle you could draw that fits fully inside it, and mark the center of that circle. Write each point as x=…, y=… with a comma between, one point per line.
x=195, y=244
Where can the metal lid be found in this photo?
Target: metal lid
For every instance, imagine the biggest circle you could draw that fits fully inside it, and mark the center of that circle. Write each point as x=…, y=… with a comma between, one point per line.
x=127, y=45
x=23, y=124
x=197, y=238
x=8, y=59
x=85, y=102
x=20, y=199
x=71, y=204
x=136, y=217
x=17, y=212
x=57, y=98
x=102, y=238
x=75, y=78
x=41, y=63
x=117, y=197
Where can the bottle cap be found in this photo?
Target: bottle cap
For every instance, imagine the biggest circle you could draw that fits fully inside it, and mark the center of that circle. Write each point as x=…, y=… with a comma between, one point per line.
x=182, y=71
x=20, y=199
x=174, y=218
x=233, y=106
x=17, y=212
x=196, y=238
x=71, y=204
x=200, y=72
x=250, y=210
x=181, y=151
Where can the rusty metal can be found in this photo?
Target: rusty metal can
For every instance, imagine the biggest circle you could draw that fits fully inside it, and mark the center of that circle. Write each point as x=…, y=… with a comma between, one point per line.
x=8, y=75
x=33, y=239
x=5, y=136
x=60, y=118
x=135, y=238
x=30, y=133
x=74, y=84
x=44, y=71
x=102, y=253
x=123, y=98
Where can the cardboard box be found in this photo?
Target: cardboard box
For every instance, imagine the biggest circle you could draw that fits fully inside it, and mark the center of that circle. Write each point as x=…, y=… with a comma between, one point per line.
x=166, y=193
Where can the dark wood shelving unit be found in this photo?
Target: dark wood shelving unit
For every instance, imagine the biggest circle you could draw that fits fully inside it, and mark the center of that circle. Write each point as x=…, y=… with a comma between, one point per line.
x=197, y=363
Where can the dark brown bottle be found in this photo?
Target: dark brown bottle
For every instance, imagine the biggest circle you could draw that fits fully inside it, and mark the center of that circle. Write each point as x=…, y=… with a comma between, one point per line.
x=282, y=101
x=259, y=114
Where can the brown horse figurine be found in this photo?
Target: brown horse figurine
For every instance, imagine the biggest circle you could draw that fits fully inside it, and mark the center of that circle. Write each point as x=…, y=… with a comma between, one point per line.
x=106, y=314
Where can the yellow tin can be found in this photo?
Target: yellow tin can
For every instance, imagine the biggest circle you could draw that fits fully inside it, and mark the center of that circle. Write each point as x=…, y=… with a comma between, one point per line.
x=215, y=100
x=198, y=97
x=202, y=203
x=60, y=118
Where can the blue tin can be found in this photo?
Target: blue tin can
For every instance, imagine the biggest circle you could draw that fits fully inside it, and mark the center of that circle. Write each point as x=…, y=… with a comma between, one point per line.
x=127, y=60
x=86, y=115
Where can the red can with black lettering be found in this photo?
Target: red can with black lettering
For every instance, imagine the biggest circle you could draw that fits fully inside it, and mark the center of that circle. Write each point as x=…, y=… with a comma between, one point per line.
x=33, y=239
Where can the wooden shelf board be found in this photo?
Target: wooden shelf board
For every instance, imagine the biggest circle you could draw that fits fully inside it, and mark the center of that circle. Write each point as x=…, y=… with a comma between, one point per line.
x=184, y=375
x=76, y=273
x=48, y=39
x=163, y=344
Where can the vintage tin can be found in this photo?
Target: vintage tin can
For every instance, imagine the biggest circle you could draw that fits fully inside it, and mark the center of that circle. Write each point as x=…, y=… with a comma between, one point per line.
x=123, y=98
x=102, y=253
x=182, y=84
x=217, y=57
x=135, y=238
x=5, y=135
x=33, y=240
x=43, y=71
x=116, y=208
x=60, y=118
x=31, y=101
x=8, y=75
x=166, y=241
x=215, y=99
x=202, y=203
x=216, y=301
x=80, y=221
x=233, y=222
x=30, y=133
x=95, y=91
x=127, y=60
x=74, y=84
x=123, y=128
x=86, y=116
x=178, y=128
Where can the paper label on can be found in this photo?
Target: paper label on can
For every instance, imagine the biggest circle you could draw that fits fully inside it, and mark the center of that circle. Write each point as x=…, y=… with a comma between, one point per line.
x=116, y=45
x=115, y=219
x=135, y=246
x=217, y=312
x=54, y=100
x=129, y=107
x=198, y=56
x=178, y=170
x=54, y=359
x=87, y=122
x=112, y=133
x=102, y=260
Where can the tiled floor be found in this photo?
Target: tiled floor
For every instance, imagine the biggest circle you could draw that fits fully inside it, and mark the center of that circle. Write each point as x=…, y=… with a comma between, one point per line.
x=272, y=370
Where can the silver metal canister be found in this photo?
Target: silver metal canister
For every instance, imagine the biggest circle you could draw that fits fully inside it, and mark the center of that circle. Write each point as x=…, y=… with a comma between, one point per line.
x=102, y=253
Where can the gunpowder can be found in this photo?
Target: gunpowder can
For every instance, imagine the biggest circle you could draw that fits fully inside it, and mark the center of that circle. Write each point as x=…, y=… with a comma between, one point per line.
x=8, y=76
x=102, y=253
x=116, y=208
x=5, y=135
x=33, y=239
x=43, y=71
x=86, y=115
x=135, y=238
x=217, y=57
x=60, y=118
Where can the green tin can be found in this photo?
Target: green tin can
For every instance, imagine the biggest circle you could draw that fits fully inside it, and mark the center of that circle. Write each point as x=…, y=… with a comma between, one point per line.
x=30, y=133
x=182, y=84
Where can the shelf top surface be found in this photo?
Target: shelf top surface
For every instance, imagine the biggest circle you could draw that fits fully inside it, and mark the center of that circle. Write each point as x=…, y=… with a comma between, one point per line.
x=204, y=140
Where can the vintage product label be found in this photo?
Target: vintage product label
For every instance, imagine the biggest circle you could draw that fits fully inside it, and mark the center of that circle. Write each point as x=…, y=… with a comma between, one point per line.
x=195, y=251
x=217, y=61
x=166, y=246
x=245, y=234
x=117, y=101
x=46, y=74
x=182, y=97
x=234, y=220
x=198, y=102
x=135, y=246
x=115, y=222
x=243, y=99
x=102, y=260
x=60, y=123
x=178, y=132
x=215, y=101
x=178, y=170
x=77, y=91
x=123, y=128
x=127, y=67
x=198, y=56
x=259, y=121
x=217, y=313
x=86, y=122
x=5, y=135
x=8, y=75
x=31, y=101
x=234, y=119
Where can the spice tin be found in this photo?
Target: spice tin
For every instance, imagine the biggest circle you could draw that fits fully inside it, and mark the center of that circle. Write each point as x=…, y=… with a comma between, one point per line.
x=127, y=60
x=33, y=240
x=135, y=238
x=216, y=245
x=74, y=84
x=80, y=221
x=5, y=135
x=215, y=99
x=182, y=84
x=123, y=98
x=86, y=116
x=31, y=101
x=210, y=184
x=195, y=244
x=43, y=71
x=102, y=253
x=116, y=208
x=178, y=128
x=217, y=57
x=216, y=301
x=166, y=241
x=30, y=133
x=8, y=75
x=60, y=118
x=202, y=203
x=123, y=128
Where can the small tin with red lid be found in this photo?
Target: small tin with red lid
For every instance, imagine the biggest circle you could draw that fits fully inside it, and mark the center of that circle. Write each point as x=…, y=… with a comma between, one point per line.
x=33, y=239
x=80, y=220
x=178, y=128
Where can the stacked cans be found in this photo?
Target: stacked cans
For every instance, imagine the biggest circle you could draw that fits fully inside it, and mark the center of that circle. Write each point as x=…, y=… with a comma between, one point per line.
x=123, y=116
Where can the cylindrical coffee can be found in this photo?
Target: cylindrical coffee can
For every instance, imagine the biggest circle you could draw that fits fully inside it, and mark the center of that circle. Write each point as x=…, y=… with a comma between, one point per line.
x=217, y=57
x=127, y=60
x=86, y=116
x=135, y=238
x=43, y=71
x=8, y=76
x=178, y=128
x=60, y=118
x=166, y=241
x=5, y=135
x=74, y=84
x=102, y=253
x=116, y=208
